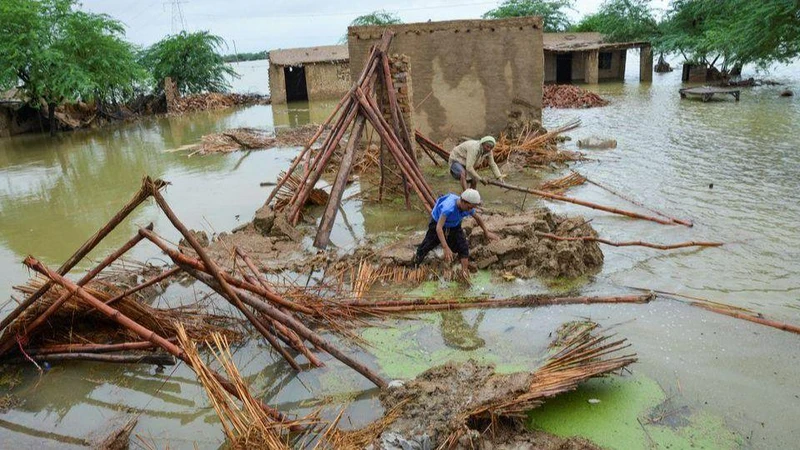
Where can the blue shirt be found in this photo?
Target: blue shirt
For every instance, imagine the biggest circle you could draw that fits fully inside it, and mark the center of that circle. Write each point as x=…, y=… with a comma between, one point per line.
x=447, y=205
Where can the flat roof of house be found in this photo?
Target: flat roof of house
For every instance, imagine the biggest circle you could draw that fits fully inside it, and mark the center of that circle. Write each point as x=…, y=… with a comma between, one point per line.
x=567, y=42
x=309, y=55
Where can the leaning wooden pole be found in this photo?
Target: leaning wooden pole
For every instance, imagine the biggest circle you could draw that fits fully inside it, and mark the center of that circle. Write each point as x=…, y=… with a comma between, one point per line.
x=563, y=198
x=8, y=342
x=135, y=327
x=630, y=243
x=302, y=330
x=323, y=237
x=141, y=195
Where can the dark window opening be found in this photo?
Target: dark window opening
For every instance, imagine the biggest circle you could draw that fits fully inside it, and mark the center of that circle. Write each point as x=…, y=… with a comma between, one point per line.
x=564, y=68
x=604, y=62
x=296, y=89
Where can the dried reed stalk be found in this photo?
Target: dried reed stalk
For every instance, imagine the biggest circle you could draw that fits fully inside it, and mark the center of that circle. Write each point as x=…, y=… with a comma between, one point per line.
x=245, y=423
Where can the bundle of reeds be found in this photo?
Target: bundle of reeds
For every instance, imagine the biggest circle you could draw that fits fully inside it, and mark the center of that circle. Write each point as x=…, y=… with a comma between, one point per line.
x=584, y=356
x=536, y=147
x=559, y=185
x=244, y=422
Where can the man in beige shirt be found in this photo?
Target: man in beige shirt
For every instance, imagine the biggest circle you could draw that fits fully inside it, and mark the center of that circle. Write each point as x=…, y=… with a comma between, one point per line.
x=470, y=154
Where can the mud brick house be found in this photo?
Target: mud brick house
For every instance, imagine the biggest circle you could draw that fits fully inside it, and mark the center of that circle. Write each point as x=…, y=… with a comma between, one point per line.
x=466, y=74
x=313, y=73
x=586, y=58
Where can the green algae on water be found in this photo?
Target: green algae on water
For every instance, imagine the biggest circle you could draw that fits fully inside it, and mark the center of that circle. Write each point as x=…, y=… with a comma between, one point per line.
x=621, y=419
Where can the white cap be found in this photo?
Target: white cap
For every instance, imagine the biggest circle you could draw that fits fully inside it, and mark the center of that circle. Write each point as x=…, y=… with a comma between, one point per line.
x=471, y=196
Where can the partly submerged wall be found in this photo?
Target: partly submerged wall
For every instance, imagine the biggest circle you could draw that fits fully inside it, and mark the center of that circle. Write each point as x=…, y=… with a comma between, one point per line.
x=466, y=72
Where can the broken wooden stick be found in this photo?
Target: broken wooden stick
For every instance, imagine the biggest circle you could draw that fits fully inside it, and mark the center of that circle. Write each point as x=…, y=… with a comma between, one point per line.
x=576, y=201
x=134, y=326
x=141, y=195
x=630, y=243
x=687, y=223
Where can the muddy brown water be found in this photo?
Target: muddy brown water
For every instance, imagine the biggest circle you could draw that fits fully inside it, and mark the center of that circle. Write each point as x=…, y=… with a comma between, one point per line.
x=56, y=192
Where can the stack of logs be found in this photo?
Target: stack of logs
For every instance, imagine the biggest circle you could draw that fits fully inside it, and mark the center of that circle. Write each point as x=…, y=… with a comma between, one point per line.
x=354, y=110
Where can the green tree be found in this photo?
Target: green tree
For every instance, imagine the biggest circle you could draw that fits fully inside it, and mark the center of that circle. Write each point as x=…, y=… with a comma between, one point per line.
x=622, y=21
x=376, y=18
x=54, y=54
x=552, y=12
x=727, y=35
x=192, y=60
x=380, y=18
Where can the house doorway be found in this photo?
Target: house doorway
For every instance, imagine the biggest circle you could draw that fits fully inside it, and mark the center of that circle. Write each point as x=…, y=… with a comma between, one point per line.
x=564, y=68
x=296, y=89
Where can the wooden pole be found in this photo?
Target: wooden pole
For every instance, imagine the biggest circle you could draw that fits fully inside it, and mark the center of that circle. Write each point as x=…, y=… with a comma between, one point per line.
x=339, y=185
x=291, y=337
x=576, y=201
x=434, y=147
x=687, y=223
x=215, y=272
x=141, y=195
x=301, y=329
x=514, y=302
x=92, y=348
x=135, y=327
x=158, y=359
x=9, y=341
x=631, y=243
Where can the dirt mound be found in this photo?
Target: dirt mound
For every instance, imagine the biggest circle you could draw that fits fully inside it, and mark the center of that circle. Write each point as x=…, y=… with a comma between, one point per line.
x=569, y=96
x=520, y=251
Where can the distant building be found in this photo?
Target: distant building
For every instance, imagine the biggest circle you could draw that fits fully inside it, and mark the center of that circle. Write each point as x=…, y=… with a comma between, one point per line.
x=466, y=74
x=314, y=73
x=585, y=57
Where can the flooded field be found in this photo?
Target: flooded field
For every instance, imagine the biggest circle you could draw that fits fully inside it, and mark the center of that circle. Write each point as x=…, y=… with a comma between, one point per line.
x=724, y=383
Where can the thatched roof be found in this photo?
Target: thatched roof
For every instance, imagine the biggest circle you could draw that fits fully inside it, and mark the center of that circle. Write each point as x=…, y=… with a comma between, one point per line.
x=566, y=42
x=309, y=55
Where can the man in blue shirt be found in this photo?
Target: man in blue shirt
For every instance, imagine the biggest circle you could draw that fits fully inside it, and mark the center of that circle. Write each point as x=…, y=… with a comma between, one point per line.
x=445, y=228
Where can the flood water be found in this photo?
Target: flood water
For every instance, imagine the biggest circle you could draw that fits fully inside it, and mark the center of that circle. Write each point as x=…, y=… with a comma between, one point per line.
x=54, y=193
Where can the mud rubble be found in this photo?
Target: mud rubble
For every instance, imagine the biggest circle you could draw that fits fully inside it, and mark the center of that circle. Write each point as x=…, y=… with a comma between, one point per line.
x=520, y=252
x=431, y=408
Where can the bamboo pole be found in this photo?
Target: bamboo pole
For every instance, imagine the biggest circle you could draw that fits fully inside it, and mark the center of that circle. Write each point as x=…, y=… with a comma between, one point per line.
x=299, y=327
x=292, y=339
x=92, y=348
x=158, y=359
x=381, y=128
x=135, y=327
x=140, y=196
x=322, y=239
x=631, y=243
x=576, y=201
x=402, y=155
x=185, y=260
x=215, y=272
x=9, y=341
x=515, y=302
x=391, y=98
x=687, y=223
x=306, y=149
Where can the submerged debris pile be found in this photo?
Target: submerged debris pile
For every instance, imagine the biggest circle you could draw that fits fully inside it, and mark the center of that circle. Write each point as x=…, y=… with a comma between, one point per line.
x=215, y=100
x=459, y=405
x=570, y=96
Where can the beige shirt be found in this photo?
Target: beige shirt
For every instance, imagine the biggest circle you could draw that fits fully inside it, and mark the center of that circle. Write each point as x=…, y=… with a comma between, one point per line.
x=470, y=154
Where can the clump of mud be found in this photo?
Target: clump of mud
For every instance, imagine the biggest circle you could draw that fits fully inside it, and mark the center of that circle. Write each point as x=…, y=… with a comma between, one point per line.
x=432, y=407
x=521, y=251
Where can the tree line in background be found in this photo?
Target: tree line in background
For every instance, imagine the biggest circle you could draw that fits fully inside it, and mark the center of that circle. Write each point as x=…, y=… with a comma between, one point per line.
x=55, y=53
x=722, y=34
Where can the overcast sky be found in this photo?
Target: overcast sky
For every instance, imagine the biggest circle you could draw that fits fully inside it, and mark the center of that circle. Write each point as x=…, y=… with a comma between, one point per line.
x=269, y=24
